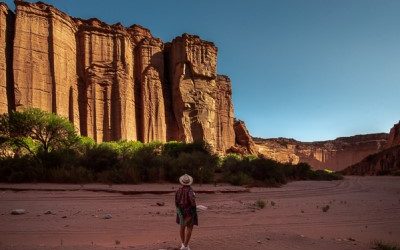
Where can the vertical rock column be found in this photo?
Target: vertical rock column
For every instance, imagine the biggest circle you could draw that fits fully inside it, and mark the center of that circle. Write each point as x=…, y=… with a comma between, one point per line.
x=151, y=78
x=6, y=80
x=32, y=71
x=225, y=134
x=62, y=44
x=106, y=81
x=44, y=60
x=193, y=77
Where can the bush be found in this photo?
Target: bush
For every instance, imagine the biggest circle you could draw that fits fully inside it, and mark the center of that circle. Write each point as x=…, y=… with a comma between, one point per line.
x=238, y=179
x=200, y=165
x=69, y=175
x=21, y=169
x=260, y=204
x=250, y=170
x=323, y=175
x=101, y=157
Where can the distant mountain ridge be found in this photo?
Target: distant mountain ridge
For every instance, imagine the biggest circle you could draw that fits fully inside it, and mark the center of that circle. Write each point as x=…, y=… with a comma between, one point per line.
x=331, y=154
x=386, y=162
x=369, y=154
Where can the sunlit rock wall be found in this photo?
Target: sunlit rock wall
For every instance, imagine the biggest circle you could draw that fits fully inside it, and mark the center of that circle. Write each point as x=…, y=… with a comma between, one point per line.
x=113, y=82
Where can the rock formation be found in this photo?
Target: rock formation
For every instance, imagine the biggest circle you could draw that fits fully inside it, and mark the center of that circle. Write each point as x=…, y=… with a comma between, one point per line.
x=113, y=82
x=225, y=133
x=394, y=136
x=6, y=74
x=105, y=74
x=44, y=60
x=243, y=140
x=193, y=79
x=335, y=155
x=386, y=162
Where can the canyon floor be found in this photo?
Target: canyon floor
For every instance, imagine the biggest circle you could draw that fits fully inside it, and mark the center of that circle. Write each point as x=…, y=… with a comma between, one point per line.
x=361, y=209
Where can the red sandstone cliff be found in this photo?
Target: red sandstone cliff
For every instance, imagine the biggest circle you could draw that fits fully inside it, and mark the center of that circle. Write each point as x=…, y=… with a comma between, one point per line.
x=382, y=163
x=6, y=72
x=335, y=154
x=244, y=141
x=394, y=136
x=113, y=82
x=386, y=162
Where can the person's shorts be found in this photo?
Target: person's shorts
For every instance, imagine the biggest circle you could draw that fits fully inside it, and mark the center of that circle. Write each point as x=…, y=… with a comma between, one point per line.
x=187, y=219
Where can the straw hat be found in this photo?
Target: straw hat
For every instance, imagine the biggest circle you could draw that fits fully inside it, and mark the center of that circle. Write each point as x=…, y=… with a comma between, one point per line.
x=186, y=180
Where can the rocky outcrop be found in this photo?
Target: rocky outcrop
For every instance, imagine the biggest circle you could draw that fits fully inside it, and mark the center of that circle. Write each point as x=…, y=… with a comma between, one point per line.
x=3, y=57
x=106, y=75
x=225, y=133
x=44, y=60
x=151, y=79
x=394, y=136
x=335, y=155
x=193, y=79
x=244, y=142
x=386, y=162
x=113, y=82
x=6, y=74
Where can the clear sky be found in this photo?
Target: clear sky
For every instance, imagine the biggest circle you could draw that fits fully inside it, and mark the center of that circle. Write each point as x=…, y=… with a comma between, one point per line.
x=306, y=69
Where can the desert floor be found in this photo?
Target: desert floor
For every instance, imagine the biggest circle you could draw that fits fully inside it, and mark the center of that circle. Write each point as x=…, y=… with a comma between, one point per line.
x=361, y=209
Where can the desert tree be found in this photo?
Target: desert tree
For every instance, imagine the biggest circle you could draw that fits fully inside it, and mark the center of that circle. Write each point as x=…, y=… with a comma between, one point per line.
x=37, y=130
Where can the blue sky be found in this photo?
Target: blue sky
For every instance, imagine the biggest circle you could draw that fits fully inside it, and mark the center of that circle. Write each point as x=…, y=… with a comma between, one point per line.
x=306, y=69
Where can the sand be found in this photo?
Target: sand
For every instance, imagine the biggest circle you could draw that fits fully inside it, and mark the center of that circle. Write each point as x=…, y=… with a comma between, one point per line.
x=361, y=209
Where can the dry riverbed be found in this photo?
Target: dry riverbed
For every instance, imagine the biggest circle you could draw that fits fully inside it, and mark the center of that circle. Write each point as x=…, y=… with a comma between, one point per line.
x=57, y=216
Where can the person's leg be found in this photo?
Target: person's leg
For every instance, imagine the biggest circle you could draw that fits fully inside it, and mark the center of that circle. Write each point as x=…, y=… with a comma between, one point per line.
x=189, y=229
x=182, y=233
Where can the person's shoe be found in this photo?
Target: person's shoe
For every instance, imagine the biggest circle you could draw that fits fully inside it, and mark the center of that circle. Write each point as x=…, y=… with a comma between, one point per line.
x=187, y=248
x=183, y=247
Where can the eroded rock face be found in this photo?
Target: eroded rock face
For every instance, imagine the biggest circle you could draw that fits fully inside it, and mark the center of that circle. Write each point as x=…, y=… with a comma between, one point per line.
x=335, y=155
x=244, y=142
x=386, y=162
x=151, y=78
x=225, y=133
x=394, y=136
x=194, y=87
x=6, y=33
x=106, y=81
x=113, y=82
x=44, y=60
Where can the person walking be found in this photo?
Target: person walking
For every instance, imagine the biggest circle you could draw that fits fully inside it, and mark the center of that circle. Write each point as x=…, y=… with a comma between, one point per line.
x=186, y=213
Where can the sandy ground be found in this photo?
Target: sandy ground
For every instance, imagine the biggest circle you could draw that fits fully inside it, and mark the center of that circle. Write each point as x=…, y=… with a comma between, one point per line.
x=361, y=209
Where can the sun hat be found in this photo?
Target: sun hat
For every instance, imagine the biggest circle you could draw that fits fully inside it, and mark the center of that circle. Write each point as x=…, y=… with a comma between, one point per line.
x=186, y=180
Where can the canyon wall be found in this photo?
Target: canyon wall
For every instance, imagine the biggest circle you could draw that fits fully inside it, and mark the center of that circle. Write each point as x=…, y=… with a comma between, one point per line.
x=113, y=82
x=44, y=60
x=335, y=154
x=3, y=57
x=244, y=143
x=394, y=136
x=6, y=75
x=386, y=162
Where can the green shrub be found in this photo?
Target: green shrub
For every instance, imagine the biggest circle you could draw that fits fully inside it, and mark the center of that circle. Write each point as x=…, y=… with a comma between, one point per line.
x=101, y=157
x=238, y=179
x=323, y=175
x=200, y=165
x=69, y=175
x=21, y=169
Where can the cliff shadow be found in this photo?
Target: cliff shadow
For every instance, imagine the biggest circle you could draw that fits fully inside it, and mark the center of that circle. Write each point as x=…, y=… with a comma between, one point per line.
x=170, y=118
x=10, y=30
